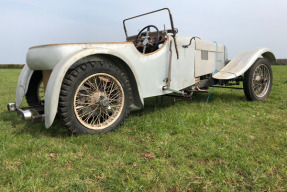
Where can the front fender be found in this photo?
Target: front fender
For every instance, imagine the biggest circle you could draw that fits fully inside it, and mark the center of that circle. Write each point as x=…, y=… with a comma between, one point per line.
x=53, y=89
x=22, y=85
x=242, y=62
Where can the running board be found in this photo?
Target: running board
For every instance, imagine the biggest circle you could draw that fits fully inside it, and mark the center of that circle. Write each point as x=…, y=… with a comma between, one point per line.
x=165, y=88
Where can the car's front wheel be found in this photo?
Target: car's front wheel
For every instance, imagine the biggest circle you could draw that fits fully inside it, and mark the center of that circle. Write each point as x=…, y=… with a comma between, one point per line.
x=257, y=81
x=95, y=98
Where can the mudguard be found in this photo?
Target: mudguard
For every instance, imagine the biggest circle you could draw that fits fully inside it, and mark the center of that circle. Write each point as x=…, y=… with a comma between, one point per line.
x=242, y=62
x=22, y=85
x=53, y=89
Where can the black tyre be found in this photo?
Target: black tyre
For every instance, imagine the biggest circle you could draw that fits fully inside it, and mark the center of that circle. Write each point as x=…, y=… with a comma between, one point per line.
x=35, y=93
x=95, y=98
x=257, y=80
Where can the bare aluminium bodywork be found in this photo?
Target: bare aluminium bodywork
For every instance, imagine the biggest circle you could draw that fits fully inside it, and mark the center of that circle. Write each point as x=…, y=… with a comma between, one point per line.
x=93, y=86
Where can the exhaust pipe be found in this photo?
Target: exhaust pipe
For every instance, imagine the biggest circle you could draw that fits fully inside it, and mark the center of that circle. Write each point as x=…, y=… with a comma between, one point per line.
x=11, y=106
x=32, y=113
x=25, y=114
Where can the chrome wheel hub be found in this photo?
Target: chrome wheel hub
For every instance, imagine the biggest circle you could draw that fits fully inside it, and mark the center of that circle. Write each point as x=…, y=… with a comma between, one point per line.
x=104, y=101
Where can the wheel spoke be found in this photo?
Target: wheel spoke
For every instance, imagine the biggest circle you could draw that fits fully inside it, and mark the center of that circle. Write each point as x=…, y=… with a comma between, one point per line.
x=89, y=116
x=118, y=94
x=93, y=86
x=84, y=114
x=84, y=88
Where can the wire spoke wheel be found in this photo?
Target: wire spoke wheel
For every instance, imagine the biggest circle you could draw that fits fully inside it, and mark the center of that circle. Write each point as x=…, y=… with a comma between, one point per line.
x=261, y=80
x=257, y=81
x=95, y=98
x=99, y=101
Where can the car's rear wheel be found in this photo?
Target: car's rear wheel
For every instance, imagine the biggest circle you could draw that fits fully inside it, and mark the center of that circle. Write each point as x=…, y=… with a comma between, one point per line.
x=95, y=98
x=35, y=93
x=257, y=81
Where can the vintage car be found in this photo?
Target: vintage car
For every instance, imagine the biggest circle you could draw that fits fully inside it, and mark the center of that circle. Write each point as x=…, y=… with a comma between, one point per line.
x=94, y=86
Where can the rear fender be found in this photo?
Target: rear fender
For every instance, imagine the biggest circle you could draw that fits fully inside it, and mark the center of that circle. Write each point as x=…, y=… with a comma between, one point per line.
x=53, y=89
x=22, y=85
x=242, y=62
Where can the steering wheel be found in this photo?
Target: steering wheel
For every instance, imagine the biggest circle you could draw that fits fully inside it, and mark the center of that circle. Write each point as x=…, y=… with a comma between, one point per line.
x=145, y=36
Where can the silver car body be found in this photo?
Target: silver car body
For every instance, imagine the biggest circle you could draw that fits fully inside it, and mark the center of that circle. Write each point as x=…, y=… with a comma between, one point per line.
x=149, y=71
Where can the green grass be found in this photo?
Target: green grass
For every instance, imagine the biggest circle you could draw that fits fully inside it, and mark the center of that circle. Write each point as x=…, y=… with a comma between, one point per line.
x=229, y=144
x=11, y=66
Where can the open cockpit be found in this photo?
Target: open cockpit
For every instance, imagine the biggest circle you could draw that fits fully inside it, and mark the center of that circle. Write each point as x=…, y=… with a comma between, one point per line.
x=149, y=39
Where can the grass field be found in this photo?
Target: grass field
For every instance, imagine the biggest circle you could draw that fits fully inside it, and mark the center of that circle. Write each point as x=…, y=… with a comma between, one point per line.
x=229, y=144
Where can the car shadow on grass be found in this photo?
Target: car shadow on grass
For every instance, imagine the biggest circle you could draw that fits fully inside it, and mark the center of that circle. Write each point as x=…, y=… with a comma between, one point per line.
x=226, y=97
x=162, y=102
x=152, y=105
x=21, y=126
x=38, y=129
x=157, y=103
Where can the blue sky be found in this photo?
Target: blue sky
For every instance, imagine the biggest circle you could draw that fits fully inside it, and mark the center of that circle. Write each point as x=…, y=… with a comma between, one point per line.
x=240, y=25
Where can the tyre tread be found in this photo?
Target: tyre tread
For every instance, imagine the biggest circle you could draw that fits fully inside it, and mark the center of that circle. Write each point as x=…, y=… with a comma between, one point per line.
x=69, y=82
